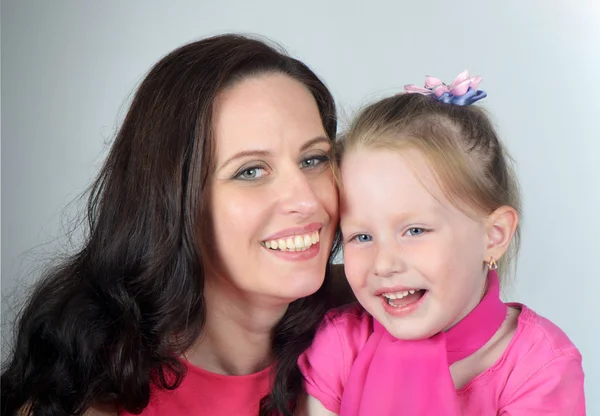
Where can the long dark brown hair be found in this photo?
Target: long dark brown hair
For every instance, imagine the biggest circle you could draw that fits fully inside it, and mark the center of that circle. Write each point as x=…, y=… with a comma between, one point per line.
x=110, y=321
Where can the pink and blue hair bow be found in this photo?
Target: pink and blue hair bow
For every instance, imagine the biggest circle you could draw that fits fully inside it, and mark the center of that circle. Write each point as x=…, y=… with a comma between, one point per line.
x=463, y=91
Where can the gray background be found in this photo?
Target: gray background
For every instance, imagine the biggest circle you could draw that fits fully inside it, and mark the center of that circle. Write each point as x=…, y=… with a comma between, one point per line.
x=69, y=68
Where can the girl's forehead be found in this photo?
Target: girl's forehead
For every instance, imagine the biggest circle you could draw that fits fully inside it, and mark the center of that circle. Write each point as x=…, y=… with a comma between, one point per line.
x=394, y=182
x=378, y=168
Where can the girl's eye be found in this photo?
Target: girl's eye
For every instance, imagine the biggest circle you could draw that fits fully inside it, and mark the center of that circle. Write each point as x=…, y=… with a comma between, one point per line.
x=251, y=174
x=415, y=231
x=363, y=238
x=314, y=161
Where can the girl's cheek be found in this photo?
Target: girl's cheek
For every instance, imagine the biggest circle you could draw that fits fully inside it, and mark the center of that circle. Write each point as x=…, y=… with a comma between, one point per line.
x=356, y=267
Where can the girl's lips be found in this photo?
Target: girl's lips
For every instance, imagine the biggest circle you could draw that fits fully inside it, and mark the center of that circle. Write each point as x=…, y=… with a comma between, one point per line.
x=395, y=289
x=403, y=310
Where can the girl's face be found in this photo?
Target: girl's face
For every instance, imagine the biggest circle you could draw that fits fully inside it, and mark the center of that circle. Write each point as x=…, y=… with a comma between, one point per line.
x=414, y=261
x=274, y=200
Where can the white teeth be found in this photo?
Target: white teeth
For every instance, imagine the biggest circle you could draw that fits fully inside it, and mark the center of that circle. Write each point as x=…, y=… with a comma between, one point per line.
x=399, y=295
x=293, y=243
x=307, y=241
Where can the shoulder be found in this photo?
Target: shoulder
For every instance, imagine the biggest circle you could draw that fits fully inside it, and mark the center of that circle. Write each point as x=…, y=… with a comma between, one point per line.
x=536, y=333
x=342, y=333
x=542, y=369
x=340, y=336
x=326, y=364
x=351, y=313
x=350, y=324
x=540, y=350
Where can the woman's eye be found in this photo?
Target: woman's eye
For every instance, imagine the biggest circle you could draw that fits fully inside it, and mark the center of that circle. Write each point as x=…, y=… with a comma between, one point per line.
x=314, y=161
x=362, y=238
x=251, y=174
x=415, y=231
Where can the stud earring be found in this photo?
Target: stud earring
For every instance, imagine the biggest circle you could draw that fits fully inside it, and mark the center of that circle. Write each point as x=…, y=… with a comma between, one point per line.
x=492, y=265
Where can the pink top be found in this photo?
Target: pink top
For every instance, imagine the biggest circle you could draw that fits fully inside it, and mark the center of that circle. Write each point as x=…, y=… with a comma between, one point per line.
x=540, y=372
x=205, y=393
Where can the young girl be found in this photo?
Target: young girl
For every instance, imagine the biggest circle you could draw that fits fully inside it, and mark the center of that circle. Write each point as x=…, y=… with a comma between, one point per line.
x=429, y=217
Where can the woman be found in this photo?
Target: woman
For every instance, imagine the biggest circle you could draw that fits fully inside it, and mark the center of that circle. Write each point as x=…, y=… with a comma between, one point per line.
x=211, y=226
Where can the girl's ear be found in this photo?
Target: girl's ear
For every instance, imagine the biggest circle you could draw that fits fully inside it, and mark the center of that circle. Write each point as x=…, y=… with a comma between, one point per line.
x=500, y=229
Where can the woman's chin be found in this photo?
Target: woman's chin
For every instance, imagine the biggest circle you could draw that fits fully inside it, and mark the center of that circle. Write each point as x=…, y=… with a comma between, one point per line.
x=299, y=289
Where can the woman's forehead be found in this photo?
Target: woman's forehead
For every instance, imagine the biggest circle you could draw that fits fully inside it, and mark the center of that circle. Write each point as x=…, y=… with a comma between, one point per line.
x=263, y=113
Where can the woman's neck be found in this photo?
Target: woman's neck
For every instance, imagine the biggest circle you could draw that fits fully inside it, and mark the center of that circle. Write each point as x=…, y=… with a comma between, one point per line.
x=237, y=333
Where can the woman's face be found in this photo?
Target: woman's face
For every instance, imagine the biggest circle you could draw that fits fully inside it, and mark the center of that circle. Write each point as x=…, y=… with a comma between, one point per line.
x=274, y=200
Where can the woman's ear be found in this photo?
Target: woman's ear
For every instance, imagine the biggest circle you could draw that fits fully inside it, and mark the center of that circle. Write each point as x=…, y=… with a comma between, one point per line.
x=500, y=229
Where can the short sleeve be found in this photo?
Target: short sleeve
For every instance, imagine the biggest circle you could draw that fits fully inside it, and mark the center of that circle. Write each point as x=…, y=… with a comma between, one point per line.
x=326, y=364
x=555, y=389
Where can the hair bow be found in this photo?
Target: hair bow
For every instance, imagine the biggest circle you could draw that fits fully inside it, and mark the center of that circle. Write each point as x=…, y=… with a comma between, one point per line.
x=463, y=91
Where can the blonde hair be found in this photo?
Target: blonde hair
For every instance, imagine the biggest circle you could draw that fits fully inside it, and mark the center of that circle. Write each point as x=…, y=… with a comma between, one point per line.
x=472, y=166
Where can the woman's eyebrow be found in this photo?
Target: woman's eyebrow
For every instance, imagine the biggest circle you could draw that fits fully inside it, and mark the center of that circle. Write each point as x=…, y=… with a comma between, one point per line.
x=263, y=153
x=314, y=141
x=244, y=153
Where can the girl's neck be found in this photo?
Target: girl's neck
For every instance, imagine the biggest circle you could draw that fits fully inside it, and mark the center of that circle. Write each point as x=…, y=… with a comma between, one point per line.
x=237, y=333
x=479, y=292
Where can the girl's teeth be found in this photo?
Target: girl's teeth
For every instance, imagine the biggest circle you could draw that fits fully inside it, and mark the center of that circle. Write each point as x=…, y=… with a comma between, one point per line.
x=399, y=295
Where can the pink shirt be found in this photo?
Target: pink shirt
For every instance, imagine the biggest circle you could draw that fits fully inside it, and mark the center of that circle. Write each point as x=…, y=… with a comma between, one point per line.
x=205, y=393
x=540, y=373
